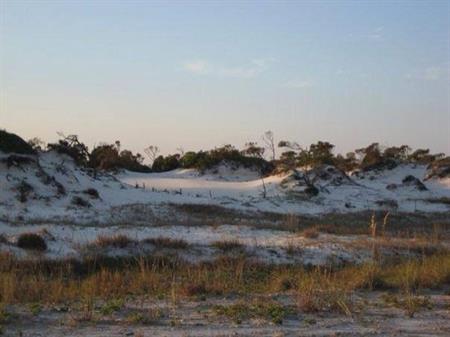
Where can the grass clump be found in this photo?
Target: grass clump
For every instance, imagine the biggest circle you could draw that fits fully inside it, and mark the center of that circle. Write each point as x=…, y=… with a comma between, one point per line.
x=164, y=242
x=115, y=241
x=321, y=291
x=228, y=245
x=31, y=241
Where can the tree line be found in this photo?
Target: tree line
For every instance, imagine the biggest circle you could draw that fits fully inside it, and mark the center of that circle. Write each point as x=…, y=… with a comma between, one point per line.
x=261, y=157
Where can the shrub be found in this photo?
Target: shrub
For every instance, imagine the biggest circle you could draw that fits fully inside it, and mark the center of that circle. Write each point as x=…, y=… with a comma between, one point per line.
x=11, y=143
x=168, y=163
x=92, y=192
x=31, y=241
x=78, y=201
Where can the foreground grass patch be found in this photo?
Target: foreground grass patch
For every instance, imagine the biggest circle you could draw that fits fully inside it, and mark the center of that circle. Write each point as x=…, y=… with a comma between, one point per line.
x=112, y=279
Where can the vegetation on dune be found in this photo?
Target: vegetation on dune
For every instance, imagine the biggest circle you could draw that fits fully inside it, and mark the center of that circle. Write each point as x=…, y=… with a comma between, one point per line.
x=253, y=156
x=11, y=143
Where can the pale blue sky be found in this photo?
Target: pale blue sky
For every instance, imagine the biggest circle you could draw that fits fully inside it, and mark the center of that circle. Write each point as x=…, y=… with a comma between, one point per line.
x=200, y=74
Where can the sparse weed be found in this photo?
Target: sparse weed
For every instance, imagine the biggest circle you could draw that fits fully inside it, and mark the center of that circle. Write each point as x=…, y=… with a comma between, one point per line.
x=112, y=306
x=409, y=302
x=35, y=308
x=239, y=312
x=150, y=316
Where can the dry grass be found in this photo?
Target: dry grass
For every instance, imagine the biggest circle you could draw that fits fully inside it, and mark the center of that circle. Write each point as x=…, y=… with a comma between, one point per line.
x=116, y=241
x=318, y=289
x=311, y=233
x=323, y=291
x=228, y=245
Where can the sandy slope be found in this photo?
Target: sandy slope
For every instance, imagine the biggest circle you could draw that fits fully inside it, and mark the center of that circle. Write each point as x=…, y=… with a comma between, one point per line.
x=240, y=189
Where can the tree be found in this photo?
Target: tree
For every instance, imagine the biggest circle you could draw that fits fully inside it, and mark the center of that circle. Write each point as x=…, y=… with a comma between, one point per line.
x=397, y=153
x=152, y=152
x=253, y=150
x=104, y=157
x=321, y=153
x=73, y=147
x=269, y=141
x=371, y=157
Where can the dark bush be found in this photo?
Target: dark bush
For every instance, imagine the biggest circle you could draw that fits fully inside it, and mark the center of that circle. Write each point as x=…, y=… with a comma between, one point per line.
x=92, y=192
x=11, y=143
x=410, y=180
x=168, y=163
x=109, y=157
x=207, y=160
x=311, y=191
x=78, y=201
x=17, y=160
x=31, y=241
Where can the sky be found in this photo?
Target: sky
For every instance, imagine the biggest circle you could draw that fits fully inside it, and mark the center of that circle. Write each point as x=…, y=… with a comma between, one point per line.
x=199, y=74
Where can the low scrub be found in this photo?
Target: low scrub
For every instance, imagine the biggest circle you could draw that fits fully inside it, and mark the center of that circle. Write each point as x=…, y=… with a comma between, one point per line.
x=31, y=241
